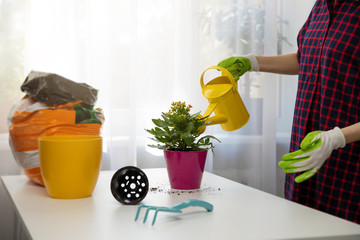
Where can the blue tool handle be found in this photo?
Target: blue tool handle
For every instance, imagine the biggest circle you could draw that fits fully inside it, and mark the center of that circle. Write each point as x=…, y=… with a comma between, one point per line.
x=193, y=203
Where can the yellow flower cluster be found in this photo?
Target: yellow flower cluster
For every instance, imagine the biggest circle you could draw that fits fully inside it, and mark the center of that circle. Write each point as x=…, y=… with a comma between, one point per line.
x=180, y=109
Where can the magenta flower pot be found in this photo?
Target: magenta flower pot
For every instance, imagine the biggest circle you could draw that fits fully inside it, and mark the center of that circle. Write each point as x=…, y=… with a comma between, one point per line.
x=185, y=169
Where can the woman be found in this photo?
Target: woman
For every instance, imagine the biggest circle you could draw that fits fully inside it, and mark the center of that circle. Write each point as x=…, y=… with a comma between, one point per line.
x=323, y=166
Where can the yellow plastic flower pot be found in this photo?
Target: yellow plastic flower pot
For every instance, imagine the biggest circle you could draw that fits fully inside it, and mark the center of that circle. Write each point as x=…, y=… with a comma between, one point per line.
x=70, y=165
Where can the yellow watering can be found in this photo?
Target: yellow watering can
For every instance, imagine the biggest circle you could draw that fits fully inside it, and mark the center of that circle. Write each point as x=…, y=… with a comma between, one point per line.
x=225, y=101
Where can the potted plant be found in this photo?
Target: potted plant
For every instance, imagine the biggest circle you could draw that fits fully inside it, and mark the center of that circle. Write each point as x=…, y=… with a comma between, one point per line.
x=178, y=133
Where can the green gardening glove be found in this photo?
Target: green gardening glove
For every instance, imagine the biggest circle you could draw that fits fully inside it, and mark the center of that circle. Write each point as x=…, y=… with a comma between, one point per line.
x=314, y=150
x=237, y=66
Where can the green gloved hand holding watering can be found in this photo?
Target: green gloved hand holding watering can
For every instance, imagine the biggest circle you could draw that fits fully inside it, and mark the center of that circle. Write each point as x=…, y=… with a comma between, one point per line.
x=315, y=149
x=237, y=66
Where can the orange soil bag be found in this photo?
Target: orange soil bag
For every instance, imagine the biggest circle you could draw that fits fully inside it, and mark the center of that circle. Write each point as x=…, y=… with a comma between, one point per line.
x=33, y=117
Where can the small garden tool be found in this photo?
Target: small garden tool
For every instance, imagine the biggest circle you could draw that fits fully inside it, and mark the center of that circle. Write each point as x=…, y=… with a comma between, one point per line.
x=225, y=101
x=176, y=208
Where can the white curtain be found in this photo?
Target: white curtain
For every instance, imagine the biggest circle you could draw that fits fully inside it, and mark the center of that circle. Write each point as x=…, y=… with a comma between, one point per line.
x=144, y=54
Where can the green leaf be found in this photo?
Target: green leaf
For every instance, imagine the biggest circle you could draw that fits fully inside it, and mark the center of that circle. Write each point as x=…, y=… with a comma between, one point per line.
x=159, y=132
x=157, y=146
x=151, y=131
x=190, y=127
x=209, y=136
x=165, y=116
x=167, y=130
x=154, y=139
x=161, y=139
x=178, y=120
x=159, y=123
x=188, y=138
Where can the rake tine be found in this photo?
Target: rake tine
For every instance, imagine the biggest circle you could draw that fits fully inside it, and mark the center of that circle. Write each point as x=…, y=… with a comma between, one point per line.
x=163, y=209
x=155, y=215
x=148, y=208
x=147, y=212
x=138, y=211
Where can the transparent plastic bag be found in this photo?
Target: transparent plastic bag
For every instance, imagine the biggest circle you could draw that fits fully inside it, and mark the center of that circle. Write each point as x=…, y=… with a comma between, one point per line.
x=52, y=109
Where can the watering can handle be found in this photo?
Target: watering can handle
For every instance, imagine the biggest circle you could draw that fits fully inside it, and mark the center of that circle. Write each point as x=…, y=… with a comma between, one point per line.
x=224, y=73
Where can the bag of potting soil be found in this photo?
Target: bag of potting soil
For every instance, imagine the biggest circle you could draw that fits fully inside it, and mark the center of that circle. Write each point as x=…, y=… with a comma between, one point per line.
x=53, y=105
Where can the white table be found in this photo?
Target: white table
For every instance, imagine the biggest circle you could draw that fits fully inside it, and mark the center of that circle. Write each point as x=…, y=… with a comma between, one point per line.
x=240, y=212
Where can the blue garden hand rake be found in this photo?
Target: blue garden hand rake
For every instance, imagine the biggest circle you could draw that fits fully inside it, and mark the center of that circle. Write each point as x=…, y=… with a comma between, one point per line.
x=176, y=208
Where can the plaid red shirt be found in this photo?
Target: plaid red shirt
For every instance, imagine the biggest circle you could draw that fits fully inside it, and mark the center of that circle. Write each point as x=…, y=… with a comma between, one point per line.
x=329, y=96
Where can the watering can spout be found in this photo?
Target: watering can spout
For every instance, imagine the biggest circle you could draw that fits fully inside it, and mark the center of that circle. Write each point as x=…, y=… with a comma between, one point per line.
x=218, y=119
x=224, y=101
